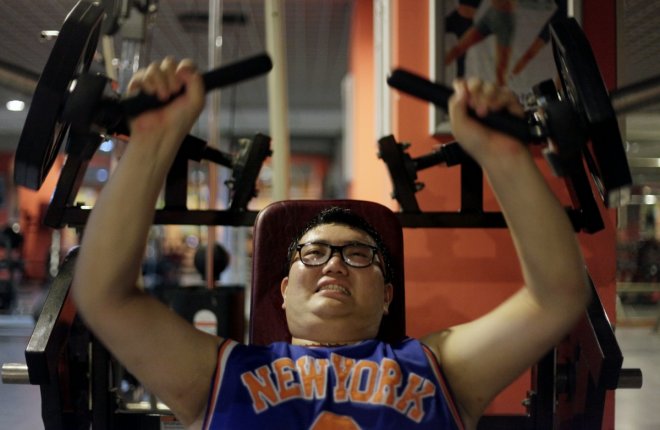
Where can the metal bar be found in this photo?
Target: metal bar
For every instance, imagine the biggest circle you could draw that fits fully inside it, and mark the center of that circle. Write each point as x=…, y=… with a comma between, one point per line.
x=605, y=347
x=103, y=402
x=176, y=184
x=215, y=59
x=636, y=96
x=637, y=287
x=472, y=186
x=630, y=378
x=51, y=331
x=452, y=220
x=543, y=398
x=505, y=422
x=278, y=100
x=77, y=216
x=15, y=373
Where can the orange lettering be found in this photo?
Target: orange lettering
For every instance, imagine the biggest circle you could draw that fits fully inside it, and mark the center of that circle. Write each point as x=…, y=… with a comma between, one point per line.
x=416, y=390
x=342, y=367
x=261, y=388
x=364, y=375
x=313, y=376
x=390, y=379
x=288, y=388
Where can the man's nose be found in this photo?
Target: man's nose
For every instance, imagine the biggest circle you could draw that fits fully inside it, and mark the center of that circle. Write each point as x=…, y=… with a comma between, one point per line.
x=336, y=261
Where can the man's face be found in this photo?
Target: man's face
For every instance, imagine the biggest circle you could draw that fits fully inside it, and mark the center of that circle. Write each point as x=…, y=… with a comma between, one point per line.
x=335, y=302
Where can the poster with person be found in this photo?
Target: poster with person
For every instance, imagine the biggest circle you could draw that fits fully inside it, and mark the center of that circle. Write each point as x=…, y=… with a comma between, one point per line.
x=503, y=41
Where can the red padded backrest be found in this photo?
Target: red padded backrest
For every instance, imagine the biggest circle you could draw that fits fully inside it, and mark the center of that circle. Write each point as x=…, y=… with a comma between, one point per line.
x=275, y=228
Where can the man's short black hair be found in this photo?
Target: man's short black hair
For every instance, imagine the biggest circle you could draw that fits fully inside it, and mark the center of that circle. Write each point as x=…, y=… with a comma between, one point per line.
x=343, y=216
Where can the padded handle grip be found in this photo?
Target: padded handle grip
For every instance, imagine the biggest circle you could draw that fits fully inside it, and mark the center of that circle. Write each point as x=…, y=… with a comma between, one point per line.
x=439, y=95
x=217, y=78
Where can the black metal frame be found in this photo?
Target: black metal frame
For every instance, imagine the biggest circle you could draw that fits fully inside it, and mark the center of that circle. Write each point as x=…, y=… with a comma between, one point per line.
x=584, y=214
x=63, y=211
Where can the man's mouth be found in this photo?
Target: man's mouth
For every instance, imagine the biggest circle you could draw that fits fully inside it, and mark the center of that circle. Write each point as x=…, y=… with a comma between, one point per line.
x=334, y=287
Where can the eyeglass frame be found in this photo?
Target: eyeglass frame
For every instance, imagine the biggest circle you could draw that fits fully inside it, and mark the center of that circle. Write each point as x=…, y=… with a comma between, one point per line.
x=340, y=249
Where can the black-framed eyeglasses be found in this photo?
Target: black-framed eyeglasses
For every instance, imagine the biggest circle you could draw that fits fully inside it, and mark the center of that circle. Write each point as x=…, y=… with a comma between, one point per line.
x=354, y=254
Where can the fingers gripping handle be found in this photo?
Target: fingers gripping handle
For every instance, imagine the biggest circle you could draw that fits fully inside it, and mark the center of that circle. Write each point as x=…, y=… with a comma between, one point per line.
x=419, y=87
x=439, y=95
x=217, y=78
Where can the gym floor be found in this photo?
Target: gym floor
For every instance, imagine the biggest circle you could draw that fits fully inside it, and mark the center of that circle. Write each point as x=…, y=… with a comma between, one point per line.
x=20, y=405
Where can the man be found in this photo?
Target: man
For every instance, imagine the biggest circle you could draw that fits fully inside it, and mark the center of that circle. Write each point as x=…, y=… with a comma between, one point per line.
x=332, y=302
x=334, y=374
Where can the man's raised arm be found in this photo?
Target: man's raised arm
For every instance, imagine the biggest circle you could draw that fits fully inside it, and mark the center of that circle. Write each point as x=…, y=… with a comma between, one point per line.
x=482, y=357
x=167, y=354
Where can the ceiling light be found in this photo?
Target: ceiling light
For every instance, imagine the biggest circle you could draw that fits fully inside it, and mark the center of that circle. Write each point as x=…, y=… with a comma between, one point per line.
x=650, y=199
x=15, y=105
x=49, y=34
x=102, y=175
x=107, y=146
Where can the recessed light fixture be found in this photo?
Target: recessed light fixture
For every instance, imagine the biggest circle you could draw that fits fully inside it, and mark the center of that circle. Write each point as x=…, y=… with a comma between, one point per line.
x=650, y=199
x=102, y=175
x=107, y=146
x=15, y=105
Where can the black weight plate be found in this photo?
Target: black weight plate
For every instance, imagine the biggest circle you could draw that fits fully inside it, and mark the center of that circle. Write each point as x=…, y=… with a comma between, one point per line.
x=584, y=88
x=44, y=129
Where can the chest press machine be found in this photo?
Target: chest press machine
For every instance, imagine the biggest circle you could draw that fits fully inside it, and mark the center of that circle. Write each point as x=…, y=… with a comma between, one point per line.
x=72, y=368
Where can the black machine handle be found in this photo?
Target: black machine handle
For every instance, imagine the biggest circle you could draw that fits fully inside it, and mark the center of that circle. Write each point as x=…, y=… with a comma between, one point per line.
x=217, y=78
x=439, y=95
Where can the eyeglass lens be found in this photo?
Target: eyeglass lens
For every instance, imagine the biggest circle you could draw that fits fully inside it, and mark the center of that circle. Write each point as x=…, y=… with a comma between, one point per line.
x=356, y=255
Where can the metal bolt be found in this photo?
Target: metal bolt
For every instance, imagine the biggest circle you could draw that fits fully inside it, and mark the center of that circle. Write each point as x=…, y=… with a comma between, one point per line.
x=15, y=373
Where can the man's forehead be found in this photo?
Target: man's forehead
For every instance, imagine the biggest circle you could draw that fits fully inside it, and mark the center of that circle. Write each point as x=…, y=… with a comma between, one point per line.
x=334, y=231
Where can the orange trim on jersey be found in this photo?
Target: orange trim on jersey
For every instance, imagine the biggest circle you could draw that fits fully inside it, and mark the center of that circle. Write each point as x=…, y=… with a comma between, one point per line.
x=224, y=350
x=437, y=370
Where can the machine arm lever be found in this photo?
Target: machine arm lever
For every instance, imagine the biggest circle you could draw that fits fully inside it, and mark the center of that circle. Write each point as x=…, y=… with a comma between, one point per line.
x=439, y=95
x=213, y=79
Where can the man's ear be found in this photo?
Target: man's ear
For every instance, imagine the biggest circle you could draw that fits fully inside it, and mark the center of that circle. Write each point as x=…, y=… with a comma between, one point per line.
x=283, y=285
x=389, y=295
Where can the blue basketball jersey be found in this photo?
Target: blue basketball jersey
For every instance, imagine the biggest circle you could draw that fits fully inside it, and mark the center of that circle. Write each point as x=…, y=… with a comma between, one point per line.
x=369, y=385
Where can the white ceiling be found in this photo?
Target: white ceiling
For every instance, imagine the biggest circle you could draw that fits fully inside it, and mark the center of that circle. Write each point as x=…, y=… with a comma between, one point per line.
x=316, y=32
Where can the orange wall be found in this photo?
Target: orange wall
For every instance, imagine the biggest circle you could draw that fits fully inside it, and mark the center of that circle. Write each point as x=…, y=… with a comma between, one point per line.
x=372, y=173
x=447, y=268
